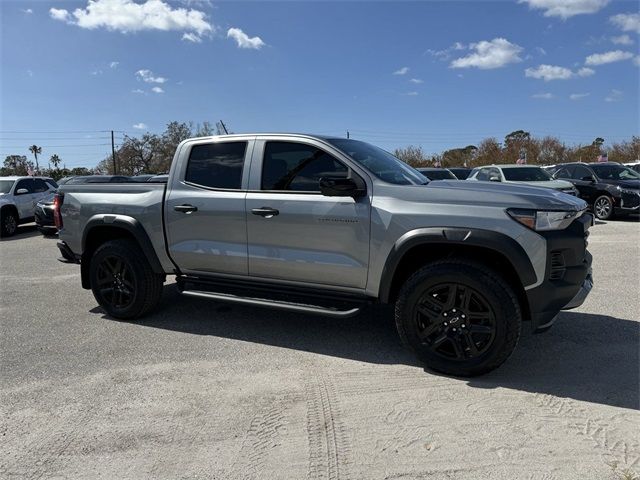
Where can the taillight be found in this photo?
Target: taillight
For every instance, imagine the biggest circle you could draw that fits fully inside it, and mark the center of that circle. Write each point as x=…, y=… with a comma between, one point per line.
x=58, y=200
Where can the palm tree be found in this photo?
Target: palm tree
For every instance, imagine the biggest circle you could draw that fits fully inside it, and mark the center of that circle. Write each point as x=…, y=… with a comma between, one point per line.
x=36, y=150
x=55, y=159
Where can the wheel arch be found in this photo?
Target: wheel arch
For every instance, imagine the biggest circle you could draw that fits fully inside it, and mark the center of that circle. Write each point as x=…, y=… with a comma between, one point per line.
x=493, y=249
x=103, y=228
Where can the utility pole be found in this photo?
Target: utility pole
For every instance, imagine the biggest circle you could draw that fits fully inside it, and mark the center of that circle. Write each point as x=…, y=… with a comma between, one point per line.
x=226, y=132
x=347, y=133
x=113, y=154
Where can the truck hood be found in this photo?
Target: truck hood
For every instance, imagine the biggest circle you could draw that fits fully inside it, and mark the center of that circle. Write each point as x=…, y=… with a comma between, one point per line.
x=507, y=195
x=555, y=184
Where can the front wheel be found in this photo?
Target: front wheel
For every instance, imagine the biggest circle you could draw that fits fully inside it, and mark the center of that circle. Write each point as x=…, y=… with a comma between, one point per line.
x=458, y=317
x=603, y=207
x=122, y=281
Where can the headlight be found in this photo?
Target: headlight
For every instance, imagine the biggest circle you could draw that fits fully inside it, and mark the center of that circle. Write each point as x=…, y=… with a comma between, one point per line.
x=541, y=220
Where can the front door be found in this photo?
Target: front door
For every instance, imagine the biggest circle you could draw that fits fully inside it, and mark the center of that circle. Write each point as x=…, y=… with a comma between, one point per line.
x=294, y=232
x=25, y=202
x=205, y=208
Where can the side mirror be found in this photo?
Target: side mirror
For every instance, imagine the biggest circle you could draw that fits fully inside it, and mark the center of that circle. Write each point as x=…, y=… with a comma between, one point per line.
x=589, y=178
x=341, y=187
x=22, y=191
x=494, y=179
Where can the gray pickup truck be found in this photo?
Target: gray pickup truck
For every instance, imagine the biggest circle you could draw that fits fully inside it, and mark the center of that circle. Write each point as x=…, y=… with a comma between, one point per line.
x=325, y=225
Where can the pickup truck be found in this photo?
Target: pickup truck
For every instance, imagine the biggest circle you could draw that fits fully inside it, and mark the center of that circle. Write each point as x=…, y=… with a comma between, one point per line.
x=325, y=225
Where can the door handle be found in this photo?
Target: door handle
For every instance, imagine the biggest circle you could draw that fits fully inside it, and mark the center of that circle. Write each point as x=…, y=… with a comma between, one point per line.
x=185, y=209
x=266, y=212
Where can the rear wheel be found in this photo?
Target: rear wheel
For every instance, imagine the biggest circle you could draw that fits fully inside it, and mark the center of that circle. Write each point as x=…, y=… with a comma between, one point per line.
x=8, y=222
x=603, y=207
x=458, y=317
x=122, y=280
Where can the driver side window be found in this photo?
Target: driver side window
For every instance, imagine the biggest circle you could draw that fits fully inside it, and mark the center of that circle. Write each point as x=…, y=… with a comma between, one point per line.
x=289, y=166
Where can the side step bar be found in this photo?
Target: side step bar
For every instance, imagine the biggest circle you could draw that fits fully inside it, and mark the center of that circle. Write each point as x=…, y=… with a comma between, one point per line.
x=281, y=305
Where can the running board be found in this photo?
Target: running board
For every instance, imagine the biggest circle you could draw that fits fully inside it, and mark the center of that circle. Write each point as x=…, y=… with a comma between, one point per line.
x=277, y=304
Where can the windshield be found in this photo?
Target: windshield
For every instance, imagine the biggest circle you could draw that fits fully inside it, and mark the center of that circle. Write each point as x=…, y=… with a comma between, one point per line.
x=614, y=172
x=438, y=174
x=382, y=164
x=5, y=186
x=525, y=174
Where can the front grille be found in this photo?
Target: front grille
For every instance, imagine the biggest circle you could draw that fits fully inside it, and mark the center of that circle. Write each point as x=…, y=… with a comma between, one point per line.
x=557, y=266
x=630, y=199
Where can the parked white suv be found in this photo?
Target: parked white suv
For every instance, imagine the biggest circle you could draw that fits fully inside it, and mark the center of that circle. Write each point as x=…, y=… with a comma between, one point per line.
x=522, y=174
x=18, y=198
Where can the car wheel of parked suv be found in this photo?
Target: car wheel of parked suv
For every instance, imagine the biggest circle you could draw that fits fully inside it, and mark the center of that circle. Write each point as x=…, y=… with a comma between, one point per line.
x=458, y=317
x=603, y=207
x=122, y=280
x=8, y=223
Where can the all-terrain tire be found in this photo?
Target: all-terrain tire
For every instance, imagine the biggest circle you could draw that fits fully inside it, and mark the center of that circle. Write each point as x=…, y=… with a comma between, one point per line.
x=446, y=337
x=122, y=281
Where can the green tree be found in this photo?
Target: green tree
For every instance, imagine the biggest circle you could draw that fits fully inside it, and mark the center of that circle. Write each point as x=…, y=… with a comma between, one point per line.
x=55, y=160
x=36, y=150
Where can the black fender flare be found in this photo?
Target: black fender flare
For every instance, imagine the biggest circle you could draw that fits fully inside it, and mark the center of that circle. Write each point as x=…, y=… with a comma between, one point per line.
x=472, y=237
x=121, y=222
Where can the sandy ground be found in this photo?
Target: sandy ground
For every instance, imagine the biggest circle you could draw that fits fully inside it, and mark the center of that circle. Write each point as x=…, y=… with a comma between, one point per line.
x=205, y=390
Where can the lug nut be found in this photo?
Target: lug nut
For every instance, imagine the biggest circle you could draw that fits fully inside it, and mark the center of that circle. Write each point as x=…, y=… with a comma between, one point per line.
x=445, y=324
x=454, y=329
x=464, y=326
x=463, y=315
x=444, y=314
x=454, y=310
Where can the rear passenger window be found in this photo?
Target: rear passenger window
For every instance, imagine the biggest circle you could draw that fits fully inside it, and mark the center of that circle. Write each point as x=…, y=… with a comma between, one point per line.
x=25, y=183
x=483, y=174
x=562, y=173
x=40, y=185
x=580, y=173
x=297, y=167
x=217, y=165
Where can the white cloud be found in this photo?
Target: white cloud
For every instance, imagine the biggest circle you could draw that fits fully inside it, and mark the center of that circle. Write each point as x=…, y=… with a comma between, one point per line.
x=243, y=40
x=30, y=73
x=157, y=90
x=446, y=53
x=114, y=64
x=578, y=96
x=140, y=126
x=147, y=76
x=489, y=54
x=622, y=40
x=402, y=71
x=607, y=57
x=549, y=72
x=412, y=94
x=28, y=11
x=541, y=51
x=636, y=61
x=627, y=22
x=585, y=72
x=543, y=96
x=127, y=16
x=96, y=72
x=139, y=91
x=191, y=37
x=416, y=80
x=614, y=96
x=59, y=14
x=566, y=8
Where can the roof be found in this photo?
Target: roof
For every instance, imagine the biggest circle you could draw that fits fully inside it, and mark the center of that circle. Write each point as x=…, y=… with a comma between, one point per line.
x=509, y=165
x=292, y=134
x=20, y=177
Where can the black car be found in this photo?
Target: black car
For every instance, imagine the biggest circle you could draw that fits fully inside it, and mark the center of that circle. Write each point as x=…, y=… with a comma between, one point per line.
x=437, y=173
x=43, y=214
x=461, y=173
x=609, y=188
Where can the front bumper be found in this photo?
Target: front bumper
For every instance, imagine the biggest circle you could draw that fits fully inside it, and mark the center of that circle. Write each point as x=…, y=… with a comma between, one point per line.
x=582, y=294
x=568, y=278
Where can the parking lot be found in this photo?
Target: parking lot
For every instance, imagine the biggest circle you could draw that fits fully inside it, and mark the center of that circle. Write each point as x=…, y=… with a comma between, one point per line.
x=205, y=390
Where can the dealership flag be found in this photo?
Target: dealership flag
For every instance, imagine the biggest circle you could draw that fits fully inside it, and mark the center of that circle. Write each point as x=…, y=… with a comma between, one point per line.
x=603, y=157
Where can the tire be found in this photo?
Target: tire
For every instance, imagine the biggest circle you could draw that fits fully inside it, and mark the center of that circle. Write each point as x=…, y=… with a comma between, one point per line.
x=122, y=280
x=8, y=223
x=458, y=317
x=603, y=207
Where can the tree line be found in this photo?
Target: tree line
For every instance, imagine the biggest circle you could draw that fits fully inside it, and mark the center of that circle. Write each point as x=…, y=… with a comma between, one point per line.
x=153, y=153
x=547, y=150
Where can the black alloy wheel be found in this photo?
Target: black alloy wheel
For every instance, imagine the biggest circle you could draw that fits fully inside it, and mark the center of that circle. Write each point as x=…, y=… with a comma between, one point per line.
x=455, y=321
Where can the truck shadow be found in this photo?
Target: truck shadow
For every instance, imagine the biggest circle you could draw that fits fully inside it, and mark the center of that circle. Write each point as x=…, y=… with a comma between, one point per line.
x=586, y=357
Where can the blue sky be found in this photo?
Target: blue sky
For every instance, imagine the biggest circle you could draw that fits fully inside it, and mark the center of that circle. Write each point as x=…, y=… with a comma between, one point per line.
x=435, y=74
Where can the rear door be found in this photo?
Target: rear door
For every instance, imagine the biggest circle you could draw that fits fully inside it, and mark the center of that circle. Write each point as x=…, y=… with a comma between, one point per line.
x=25, y=202
x=205, y=207
x=294, y=232
x=581, y=177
